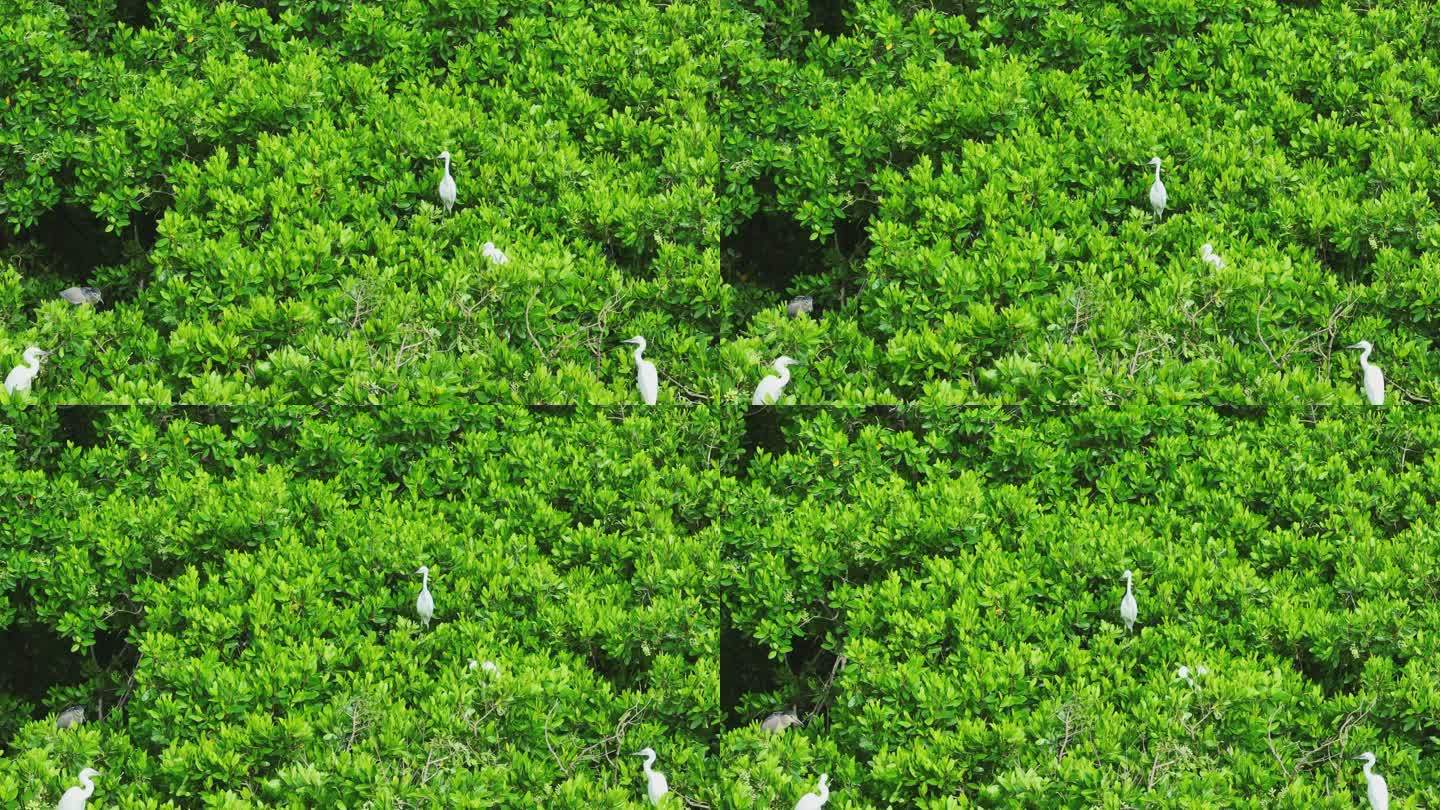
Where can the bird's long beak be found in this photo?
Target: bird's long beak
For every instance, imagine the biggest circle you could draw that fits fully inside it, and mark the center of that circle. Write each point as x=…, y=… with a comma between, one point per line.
x=1353, y=346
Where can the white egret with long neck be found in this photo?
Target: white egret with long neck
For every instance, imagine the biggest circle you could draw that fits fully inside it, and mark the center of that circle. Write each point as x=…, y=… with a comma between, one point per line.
x=770, y=389
x=1375, y=787
x=1374, y=377
x=425, y=604
x=1209, y=256
x=447, y=183
x=1129, y=611
x=1157, y=190
x=494, y=254
x=75, y=797
x=656, y=787
x=645, y=376
x=19, y=379
x=815, y=801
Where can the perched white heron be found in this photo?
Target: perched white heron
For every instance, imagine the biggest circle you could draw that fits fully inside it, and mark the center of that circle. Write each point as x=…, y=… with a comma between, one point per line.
x=447, y=183
x=645, y=375
x=489, y=251
x=488, y=666
x=425, y=604
x=779, y=721
x=1374, y=377
x=80, y=296
x=1183, y=673
x=1208, y=255
x=1128, y=609
x=73, y=716
x=800, y=305
x=19, y=379
x=769, y=390
x=815, y=801
x=1157, y=190
x=656, y=786
x=75, y=797
x=1375, y=786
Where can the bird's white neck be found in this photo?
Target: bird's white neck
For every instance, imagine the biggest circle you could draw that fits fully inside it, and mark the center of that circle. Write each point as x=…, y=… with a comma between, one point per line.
x=784, y=372
x=1367, y=768
x=1365, y=363
x=447, y=167
x=649, y=761
x=89, y=784
x=425, y=581
x=639, y=350
x=1157, y=172
x=32, y=361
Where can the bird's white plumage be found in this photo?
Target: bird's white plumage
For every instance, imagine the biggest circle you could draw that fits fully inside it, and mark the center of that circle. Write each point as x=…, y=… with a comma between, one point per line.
x=75, y=797
x=655, y=785
x=1157, y=190
x=1374, y=377
x=770, y=389
x=425, y=604
x=815, y=801
x=1208, y=255
x=494, y=254
x=646, y=377
x=1375, y=788
x=447, y=184
x=19, y=379
x=1129, y=611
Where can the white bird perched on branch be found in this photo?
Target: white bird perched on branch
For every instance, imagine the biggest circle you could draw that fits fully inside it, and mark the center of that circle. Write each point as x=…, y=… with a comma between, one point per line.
x=80, y=296
x=815, y=801
x=489, y=666
x=1128, y=609
x=494, y=254
x=1375, y=787
x=1209, y=256
x=656, y=786
x=73, y=716
x=75, y=797
x=1157, y=190
x=19, y=379
x=800, y=305
x=447, y=183
x=769, y=390
x=645, y=375
x=779, y=721
x=1374, y=377
x=425, y=604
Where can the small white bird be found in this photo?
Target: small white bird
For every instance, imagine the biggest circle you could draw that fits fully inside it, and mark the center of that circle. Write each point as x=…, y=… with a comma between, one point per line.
x=769, y=390
x=73, y=716
x=779, y=721
x=1374, y=377
x=1183, y=673
x=815, y=801
x=1128, y=609
x=494, y=254
x=800, y=305
x=75, y=797
x=1157, y=190
x=19, y=379
x=1208, y=254
x=447, y=183
x=656, y=785
x=80, y=296
x=425, y=604
x=1375, y=786
x=645, y=375
x=488, y=666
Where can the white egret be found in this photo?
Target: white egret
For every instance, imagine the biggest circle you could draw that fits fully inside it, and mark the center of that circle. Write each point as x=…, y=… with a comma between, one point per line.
x=1128, y=609
x=656, y=785
x=488, y=666
x=815, y=801
x=425, y=604
x=75, y=797
x=494, y=254
x=1374, y=377
x=769, y=390
x=19, y=379
x=80, y=296
x=1375, y=786
x=645, y=376
x=447, y=183
x=1183, y=673
x=73, y=716
x=1208, y=255
x=779, y=721
x=800, y=305
x=1157, y=190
